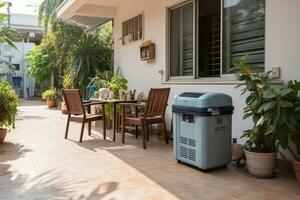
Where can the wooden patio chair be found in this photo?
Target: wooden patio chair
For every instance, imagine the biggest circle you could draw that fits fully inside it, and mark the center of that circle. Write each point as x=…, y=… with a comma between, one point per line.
x=154, y=114
x=76, y=112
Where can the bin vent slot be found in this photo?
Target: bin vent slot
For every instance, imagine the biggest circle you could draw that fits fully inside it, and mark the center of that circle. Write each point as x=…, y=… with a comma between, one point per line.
x=183, y=140
x=192, y=142
x=183, y=152
x=192, y=154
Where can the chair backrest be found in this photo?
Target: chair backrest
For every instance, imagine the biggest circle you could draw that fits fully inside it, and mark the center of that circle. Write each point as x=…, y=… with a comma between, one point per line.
x=73, y=101
x=157, y=102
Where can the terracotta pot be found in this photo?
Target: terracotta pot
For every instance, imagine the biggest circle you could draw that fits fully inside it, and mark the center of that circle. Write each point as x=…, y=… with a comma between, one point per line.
x=63, y=108
x=296, y=166
x=50, y=103
x=3, y=132
x=261, y=165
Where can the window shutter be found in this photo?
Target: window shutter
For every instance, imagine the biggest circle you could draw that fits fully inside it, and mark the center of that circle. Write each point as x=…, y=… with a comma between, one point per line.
x=182, y=41
x=245, y=29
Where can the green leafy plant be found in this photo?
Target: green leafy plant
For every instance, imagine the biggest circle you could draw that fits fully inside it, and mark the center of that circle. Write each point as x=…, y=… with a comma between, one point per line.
x=281, y=114
x=274, y=110
x=47, y=12
x=87, y=58
x=7, y=35
x=9, y=103
x=42, y=59
x=67, y=81
x=254, y=85
x=102, y=79
x=51, y=94
x=116, y=84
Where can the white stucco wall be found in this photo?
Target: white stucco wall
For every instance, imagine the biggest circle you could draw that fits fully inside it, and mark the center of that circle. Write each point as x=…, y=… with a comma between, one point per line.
x=18, y=56
x=282, y=50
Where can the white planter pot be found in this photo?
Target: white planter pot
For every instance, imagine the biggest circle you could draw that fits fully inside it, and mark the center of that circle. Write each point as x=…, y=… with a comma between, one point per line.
x=261, y=165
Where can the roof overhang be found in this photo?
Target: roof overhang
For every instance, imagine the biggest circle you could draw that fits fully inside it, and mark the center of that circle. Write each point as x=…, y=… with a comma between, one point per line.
x=86, y=13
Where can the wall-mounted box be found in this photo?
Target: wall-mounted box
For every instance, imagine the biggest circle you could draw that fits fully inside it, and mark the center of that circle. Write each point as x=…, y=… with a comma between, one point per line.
x=147, y=51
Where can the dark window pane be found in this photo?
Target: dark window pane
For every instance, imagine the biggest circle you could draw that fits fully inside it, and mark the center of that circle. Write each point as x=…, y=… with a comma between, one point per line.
x=209, y=38
x=244, y=33
x=17, y=67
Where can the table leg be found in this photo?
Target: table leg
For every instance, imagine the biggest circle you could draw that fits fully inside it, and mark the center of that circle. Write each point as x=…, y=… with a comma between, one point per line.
x=114, y=121
x=136, y=127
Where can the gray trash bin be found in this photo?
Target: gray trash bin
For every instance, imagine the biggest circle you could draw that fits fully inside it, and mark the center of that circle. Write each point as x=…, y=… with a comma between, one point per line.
x=202, y=129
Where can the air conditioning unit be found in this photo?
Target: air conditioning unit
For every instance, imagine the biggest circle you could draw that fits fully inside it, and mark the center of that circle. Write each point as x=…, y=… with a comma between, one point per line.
x=202, y=129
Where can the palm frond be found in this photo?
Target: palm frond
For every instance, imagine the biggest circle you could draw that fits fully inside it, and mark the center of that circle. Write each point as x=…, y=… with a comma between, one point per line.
x=47, y=13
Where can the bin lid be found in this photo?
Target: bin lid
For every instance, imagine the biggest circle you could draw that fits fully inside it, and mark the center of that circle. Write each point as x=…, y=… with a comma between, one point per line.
x=203, y=100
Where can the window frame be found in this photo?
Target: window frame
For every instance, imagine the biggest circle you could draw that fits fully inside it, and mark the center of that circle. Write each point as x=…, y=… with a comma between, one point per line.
x=19, y=67
x=169, y=9
x=195, y=77
x=142, y=14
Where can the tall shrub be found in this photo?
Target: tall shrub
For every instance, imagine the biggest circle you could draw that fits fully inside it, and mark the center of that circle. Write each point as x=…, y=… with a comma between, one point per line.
x=86, y=59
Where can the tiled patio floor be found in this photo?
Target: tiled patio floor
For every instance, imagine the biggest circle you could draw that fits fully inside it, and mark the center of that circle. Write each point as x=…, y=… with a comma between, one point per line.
x=37, y=163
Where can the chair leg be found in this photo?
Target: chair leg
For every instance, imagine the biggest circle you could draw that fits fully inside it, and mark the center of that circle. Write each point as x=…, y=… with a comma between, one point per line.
x=82, y=130
x=90, y=128
x=104, y=121
x=123, y=125
x=149, y=131
x=67, y=129
x=136, y=132
x=136, y=127
x=144, y=130
x=165, y=132
x=104, y=128
x=117, y=122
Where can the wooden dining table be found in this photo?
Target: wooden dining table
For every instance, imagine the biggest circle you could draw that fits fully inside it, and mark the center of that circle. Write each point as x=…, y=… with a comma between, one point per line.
x=114, y=103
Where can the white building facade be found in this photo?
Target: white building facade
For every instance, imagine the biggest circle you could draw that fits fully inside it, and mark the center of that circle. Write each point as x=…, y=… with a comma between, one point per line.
x=31, y=34
x=182, y=62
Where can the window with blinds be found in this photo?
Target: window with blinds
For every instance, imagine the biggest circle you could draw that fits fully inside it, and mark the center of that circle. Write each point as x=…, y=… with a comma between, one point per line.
x=244, y=33
x=205, y=40
x=132, y=29
x=182, y=40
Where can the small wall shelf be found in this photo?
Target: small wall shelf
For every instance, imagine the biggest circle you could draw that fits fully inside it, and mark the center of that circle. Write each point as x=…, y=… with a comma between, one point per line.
x=147, y=51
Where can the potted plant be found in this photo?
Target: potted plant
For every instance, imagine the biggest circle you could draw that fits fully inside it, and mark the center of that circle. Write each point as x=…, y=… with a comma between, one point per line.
x=290, y=119
x=114, y=83
x=9, y=103
x=260, y=148
x=296, y=163
x=117, y=84
x=67, y=84
x=284, y=105
x=275, y=115
x=296, y=166
x=50, y=96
